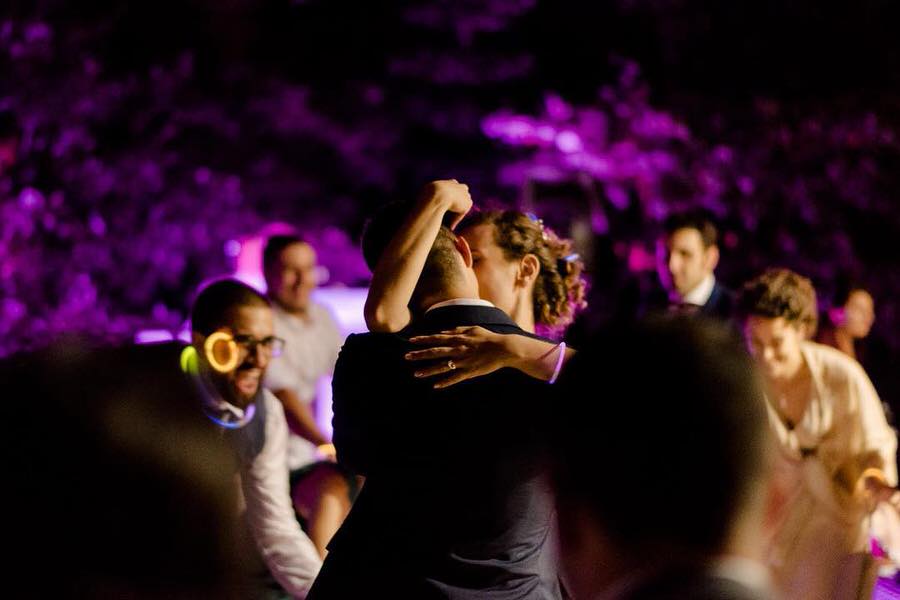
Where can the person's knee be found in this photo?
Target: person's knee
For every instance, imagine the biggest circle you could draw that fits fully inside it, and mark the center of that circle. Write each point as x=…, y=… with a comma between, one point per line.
x=335, y=485
x=322, y=484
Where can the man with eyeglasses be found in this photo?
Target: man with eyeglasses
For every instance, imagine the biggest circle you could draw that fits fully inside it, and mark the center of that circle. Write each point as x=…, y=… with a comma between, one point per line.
x=321, y=489
x=233, y=341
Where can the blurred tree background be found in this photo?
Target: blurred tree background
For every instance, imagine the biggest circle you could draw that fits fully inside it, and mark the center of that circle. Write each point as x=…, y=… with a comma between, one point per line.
x=142, y=142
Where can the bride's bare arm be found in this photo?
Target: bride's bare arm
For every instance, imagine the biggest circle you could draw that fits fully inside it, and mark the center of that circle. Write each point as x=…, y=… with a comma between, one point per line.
x=476, y=351
x=398, y=269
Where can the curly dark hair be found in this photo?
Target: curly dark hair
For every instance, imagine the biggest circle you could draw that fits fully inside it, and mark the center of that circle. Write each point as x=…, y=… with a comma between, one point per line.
x=780, y=293
x=560, y=289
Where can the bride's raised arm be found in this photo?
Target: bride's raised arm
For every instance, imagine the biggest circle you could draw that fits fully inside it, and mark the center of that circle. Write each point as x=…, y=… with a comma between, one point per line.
x=399, y=267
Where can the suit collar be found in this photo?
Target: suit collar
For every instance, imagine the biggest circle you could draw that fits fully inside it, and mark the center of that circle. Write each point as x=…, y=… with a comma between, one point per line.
x=463, y=315
x=459, y=302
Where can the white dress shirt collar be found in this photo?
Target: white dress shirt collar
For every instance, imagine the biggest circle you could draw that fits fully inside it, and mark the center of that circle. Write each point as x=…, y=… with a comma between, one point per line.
x=700, y=295
x=220, y=410
x=460, y=302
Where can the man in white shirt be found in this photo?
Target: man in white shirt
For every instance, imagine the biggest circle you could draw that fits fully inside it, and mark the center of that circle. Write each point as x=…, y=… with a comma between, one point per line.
x=320, y=490
x=687, y=256
x=233, y=341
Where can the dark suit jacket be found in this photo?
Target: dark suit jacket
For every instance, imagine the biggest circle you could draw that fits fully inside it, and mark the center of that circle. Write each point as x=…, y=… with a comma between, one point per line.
x=455, y=504
x=720, y=304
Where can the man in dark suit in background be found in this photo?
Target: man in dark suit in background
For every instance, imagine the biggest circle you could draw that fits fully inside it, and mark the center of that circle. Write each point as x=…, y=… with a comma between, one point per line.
x=687, y=255
x=663, y=482
x=455, y=503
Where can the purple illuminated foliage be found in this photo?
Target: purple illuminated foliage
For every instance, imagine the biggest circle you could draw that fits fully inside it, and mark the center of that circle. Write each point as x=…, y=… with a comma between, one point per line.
x=119, y=201
x=144, y=162
x=811, y=190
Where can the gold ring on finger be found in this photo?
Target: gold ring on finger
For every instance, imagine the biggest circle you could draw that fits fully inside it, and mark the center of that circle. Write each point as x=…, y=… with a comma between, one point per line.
x=451, y=365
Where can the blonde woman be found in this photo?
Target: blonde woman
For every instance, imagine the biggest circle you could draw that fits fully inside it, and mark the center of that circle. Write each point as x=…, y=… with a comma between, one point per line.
x=837, y=454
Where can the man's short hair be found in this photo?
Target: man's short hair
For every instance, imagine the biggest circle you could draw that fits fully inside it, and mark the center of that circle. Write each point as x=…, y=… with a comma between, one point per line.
x=693, y=219
x=440, y=266
x=780, y=293
x=214, y=304
x=275, y=245
x=660, y=435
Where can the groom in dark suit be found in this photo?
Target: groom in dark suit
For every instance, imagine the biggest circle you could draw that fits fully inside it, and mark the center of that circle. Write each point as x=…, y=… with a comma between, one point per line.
x=455, y=503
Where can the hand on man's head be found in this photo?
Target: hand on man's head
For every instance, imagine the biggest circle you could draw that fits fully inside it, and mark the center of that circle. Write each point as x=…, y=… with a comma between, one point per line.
x=452, y=194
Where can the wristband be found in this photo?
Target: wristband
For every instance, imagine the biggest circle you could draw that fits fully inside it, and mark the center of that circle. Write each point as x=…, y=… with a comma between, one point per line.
x=559, y=362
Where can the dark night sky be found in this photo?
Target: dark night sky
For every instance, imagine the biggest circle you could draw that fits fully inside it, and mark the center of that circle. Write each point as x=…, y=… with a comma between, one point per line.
x=800, y=49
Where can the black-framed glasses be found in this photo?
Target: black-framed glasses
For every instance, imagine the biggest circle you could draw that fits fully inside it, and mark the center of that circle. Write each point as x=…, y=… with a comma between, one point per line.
x=271, y=345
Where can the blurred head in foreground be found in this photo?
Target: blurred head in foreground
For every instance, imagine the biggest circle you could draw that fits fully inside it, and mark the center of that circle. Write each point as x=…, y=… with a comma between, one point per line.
x=665, y=464
x=119, y=486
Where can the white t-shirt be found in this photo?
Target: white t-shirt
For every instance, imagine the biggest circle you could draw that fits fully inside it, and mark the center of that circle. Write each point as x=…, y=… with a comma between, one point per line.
x=312, y=346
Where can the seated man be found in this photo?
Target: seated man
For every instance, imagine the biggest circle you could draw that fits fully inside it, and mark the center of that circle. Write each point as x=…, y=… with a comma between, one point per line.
x=455, y=503
x=662, y=474
x=320, y=489
x=233, y=341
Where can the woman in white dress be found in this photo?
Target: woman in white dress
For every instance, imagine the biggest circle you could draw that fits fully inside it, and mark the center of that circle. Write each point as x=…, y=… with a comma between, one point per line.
x=836, y=452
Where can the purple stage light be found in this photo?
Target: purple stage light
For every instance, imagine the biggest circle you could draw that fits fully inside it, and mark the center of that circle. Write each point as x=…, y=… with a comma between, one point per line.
x=557, y=108
x=232, y=248
x=568, y=142
x=152, y=336
x=346, y=304
x=886, y=589
x=202, y=176
x=31, y=199
x=97, y=225
x=639, y=259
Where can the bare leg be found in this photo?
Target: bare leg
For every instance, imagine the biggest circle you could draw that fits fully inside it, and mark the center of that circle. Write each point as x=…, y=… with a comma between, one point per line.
x=322, y=499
